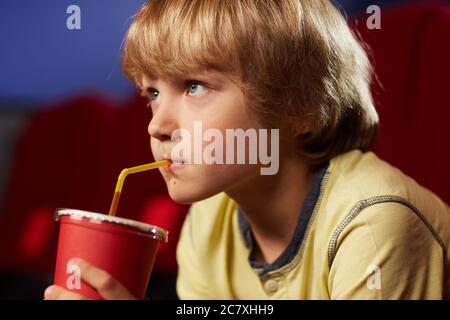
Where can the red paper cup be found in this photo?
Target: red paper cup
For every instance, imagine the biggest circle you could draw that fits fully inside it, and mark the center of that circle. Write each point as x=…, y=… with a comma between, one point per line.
x=124, y=248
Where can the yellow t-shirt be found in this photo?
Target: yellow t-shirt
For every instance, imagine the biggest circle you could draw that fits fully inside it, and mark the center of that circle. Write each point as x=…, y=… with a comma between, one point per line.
x=367, y=231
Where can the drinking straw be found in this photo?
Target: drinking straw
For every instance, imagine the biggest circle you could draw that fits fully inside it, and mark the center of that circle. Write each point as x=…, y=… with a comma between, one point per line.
x=127, y=171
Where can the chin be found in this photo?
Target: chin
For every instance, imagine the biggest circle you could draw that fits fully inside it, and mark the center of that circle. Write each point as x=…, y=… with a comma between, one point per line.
x=183, y=193
x=183, y=198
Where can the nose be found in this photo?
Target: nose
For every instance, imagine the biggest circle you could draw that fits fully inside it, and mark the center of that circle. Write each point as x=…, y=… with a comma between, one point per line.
x=163, y=122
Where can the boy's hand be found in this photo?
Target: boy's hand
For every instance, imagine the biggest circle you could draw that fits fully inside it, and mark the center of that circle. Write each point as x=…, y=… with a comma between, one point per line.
x=108, y=287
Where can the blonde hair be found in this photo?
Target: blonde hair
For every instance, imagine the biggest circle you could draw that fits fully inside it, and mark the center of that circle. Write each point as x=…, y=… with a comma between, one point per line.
x=298, y=63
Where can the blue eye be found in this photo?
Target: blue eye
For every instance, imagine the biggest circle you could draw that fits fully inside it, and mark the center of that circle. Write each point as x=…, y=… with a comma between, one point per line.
x=154, y=94
x=195, y=87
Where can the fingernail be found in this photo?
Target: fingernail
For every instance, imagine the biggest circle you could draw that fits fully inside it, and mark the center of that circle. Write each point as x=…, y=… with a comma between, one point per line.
x=74, y=261
x=48, y=291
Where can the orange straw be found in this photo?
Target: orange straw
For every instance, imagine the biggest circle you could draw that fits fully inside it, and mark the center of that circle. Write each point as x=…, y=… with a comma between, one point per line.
x=122, y=176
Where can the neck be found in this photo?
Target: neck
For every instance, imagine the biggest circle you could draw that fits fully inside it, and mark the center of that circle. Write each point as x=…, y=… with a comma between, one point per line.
x=272, y=206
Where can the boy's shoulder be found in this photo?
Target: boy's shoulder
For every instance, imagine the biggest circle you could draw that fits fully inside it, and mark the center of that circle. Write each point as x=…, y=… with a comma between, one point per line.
x=362, y=187
x=357, y=176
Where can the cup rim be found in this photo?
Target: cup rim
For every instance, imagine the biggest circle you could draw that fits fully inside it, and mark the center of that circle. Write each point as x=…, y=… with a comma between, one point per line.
x=156, y=232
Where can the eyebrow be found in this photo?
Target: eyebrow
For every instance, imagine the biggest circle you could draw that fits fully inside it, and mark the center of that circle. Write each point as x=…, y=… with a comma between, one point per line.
x=212, y=74
x=205, y=75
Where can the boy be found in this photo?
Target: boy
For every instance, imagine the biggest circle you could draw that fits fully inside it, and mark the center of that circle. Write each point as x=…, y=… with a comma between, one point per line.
x=334, y=221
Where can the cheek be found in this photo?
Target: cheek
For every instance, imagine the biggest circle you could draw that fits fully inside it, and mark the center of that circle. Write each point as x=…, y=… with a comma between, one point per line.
x=229, y=113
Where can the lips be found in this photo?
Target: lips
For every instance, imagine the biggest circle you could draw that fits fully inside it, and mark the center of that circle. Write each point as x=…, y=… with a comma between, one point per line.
x=176, y=161
x=175, y=164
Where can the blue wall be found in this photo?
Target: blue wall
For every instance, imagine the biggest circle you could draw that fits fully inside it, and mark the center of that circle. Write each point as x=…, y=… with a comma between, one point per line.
x=41, y=59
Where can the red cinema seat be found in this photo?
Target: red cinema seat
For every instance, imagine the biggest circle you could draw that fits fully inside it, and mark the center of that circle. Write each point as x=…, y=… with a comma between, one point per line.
x=411, y=57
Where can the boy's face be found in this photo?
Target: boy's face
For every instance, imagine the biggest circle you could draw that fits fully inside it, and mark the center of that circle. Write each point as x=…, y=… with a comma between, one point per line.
x=212, y=98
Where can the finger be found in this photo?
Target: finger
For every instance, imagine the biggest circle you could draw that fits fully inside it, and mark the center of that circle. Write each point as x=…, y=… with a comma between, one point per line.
x=106, y=285
x=59, y=293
